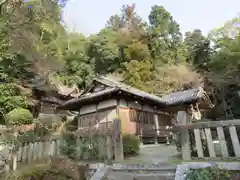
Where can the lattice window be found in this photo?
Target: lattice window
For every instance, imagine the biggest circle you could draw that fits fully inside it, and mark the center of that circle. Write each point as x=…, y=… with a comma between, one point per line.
x=133, y=115
x=141, y=117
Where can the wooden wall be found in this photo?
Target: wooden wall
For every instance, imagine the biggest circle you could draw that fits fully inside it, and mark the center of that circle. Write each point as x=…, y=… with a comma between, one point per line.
x=100, y=113
x=127, y=109
x=104, y=111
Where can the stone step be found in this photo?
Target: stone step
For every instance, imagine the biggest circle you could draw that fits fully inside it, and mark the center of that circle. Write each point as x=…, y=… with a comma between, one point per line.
x=163, y=171
x=133, y=176
x=149, y=175
x=143, y=167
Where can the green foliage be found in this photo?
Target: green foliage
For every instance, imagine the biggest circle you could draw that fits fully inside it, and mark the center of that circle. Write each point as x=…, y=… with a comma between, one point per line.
x=14, y=66
x=131, y=144
x=139, y=74
x=34, y=41
x=89, y=147
x=10, y=98
x=68, y=146
x=198, y=48
x=79, y=67
x=19, y=116
x=104, y=51
x=39, y=172
x=208, y=174
x=24, y=27
x=165, y=36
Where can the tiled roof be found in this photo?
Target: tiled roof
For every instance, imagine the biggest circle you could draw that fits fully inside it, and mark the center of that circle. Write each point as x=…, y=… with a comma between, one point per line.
x=46, y=83
x=167, y=100
x=89, y=96
x=129, y=89
x=184, y=96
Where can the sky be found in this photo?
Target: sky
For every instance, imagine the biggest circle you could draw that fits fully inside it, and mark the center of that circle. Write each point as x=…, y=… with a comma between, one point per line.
x=89, y=16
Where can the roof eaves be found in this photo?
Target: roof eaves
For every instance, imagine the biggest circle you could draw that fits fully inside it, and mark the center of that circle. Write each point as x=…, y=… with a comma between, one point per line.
x=85, y=97
x=183, y=96
x=129, y=89
x=106, y=81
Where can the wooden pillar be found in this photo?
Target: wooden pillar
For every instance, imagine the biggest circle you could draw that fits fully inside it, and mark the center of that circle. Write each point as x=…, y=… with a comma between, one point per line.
x=30, y=152
x=9, y=162
x=174, y=122
x=109, y=144
x=6, y=169
x=14, y=161
x=34, y=151
x=79, y=122
x=58, y=146
x=78, y=147
x=118, y=142
x=109, y=149
x=78, y=139
x=41, y=107
x=24, y=153
x=183, y=118
x=156, y=122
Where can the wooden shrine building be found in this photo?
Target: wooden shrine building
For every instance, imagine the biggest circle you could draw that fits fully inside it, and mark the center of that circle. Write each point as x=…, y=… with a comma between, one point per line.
x=46, y=96
x=141, y=113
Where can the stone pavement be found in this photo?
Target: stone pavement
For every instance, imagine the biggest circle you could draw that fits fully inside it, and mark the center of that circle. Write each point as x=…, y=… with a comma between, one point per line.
x=154, y=154
x=152, y=164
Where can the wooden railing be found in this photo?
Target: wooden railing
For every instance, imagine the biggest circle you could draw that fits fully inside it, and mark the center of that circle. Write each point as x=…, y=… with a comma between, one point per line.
x=26, y=153
x=109, y=142
x=205, y=129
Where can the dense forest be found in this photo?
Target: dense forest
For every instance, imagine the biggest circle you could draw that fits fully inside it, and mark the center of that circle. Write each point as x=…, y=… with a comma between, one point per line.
x=153, y=56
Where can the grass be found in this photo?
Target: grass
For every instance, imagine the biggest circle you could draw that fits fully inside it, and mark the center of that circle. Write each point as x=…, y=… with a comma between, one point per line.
x=27, y=170
x=38, y=171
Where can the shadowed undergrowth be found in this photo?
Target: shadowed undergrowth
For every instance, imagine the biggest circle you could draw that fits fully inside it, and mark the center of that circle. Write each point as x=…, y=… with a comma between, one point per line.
x=59, y=168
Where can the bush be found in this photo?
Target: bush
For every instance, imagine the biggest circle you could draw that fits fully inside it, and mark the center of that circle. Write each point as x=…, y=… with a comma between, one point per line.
x=68, y=145
x=39, y=172
x=211, y=173
x=131, y=144
x=19, y=116
x=89, y=147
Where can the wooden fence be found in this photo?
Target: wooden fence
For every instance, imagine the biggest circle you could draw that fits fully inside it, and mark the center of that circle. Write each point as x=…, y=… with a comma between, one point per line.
x=108, y=141
x=108, y=137
x=29, y=152
x=203, y=131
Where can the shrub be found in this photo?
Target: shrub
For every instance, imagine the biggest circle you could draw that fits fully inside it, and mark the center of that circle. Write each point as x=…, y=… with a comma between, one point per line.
x=19, y=116
x=211, y=173
x=131, y=144
x=29, y=172
x=89, y=147
x=39, y=172
x=68, y=145
x=10, y=97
